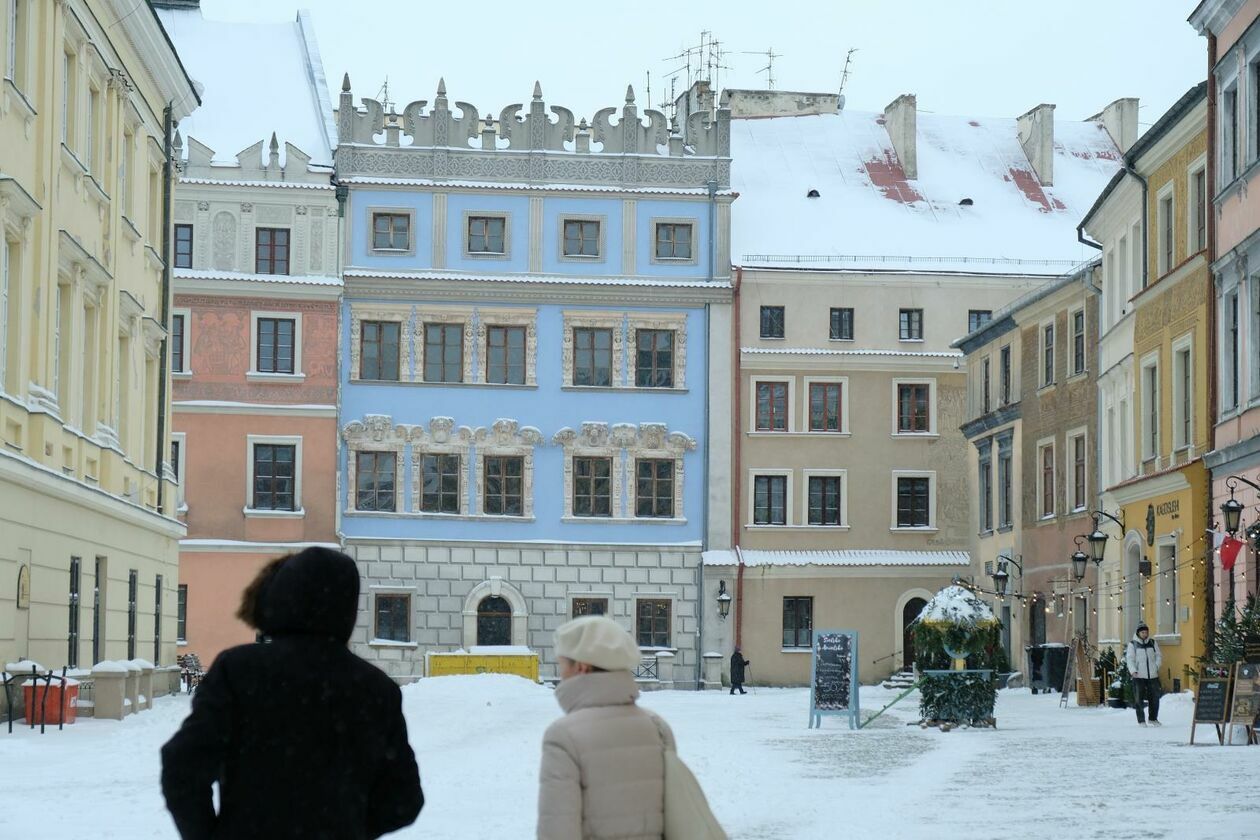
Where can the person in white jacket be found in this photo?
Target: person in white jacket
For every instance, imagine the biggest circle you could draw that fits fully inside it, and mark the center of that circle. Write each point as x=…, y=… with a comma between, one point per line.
x=1142, y=656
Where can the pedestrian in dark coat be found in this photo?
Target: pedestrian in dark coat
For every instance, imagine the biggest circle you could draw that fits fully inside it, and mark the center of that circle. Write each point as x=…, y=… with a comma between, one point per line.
x=304, y=738
x=738, y=664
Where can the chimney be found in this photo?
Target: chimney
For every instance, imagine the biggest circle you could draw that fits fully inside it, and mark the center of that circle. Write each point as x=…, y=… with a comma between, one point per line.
x=1036, y=135
x=1120, y=118
x=901, y=119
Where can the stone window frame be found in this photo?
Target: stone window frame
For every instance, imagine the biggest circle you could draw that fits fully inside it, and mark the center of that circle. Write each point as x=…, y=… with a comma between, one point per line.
x=590, y=594
x=843, y=475
x=614, y=321
x=1197, y=167
x=789, y=480
x=256, y=375
x=179, y=472
x=600, y=219
x=689, y=221
x=484, y=319
x=397, y=314
x=657, y=595
x=675, y=322
x=1072, y=504
x=412, y=594
x=843, y=382
x=932, y=525
x=446, y=316
x=442, y=437
x=506, y=437
x=249, y=510
x=932, y=430
x=624, y=444
x=374, y=433
x=1044, y=513
x=466, y=235
x=372, y=212
x=186, y=371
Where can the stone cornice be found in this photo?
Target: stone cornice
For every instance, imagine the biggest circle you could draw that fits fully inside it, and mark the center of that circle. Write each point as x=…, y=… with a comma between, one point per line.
x=529, y=289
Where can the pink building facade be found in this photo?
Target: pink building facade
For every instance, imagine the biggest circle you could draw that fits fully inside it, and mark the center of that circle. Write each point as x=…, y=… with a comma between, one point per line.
x=1232, y=28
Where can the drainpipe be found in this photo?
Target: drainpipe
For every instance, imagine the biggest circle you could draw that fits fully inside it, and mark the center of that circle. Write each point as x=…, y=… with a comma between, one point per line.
x=1128, y=167
x=343, y=195
x=708, y=408
x=168, y=128
x=1209, y=587
x=739, y=599
x=736, y=468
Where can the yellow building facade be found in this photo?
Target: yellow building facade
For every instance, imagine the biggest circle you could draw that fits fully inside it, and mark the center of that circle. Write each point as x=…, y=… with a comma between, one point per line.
x=88, y=539
x=1165, y=506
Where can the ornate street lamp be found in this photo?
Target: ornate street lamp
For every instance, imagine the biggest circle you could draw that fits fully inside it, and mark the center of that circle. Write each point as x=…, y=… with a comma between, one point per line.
x=1000, y=576
x=1097, y=539
x=1080, y=559
x=724, y=600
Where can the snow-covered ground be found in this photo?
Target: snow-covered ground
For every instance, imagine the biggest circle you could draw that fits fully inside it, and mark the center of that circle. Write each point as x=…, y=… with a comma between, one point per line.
x=1046, y=771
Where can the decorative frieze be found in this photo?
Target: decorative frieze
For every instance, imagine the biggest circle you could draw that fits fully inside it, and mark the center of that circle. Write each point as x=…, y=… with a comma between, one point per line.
x=374, y=433
x=623, y=444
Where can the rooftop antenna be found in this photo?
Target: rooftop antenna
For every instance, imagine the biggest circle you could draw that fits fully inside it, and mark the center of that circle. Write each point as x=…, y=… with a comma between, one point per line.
x=383, y=96
x=770, y=55
x=844, y=75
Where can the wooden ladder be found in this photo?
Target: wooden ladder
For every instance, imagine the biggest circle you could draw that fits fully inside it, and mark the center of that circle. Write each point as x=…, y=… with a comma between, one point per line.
x=1069, y=673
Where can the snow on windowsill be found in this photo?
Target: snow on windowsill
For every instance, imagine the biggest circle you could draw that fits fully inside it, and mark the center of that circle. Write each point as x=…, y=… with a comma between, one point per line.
x=392, y=643
x=796, y=650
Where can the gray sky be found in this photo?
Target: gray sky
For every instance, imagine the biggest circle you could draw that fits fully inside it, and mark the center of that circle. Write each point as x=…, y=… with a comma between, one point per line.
x=965, y=57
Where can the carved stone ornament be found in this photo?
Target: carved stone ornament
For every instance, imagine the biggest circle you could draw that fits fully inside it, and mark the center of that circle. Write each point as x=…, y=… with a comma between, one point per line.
x=203, y=206
x=624, y=443
x=496, y=317
x=247, y=207
x=508, y=437
x=596, y=320
x=442, y=437
x=398, y=314
x=673, y=322
x=463, y=316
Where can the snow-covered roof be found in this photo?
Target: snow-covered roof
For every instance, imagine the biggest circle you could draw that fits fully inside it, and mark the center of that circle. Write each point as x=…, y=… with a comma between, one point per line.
x=554, y=279
x=258, y=78
x=829, y=351
x=869, y=215
x=848, y=557
x=279, y=279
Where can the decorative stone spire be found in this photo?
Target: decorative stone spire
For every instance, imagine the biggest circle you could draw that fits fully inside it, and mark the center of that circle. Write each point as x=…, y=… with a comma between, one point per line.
x=488, y=133
x=345, y=83
x=629, y=94
x=537, y=92
x=273, y=159
x=582, y=142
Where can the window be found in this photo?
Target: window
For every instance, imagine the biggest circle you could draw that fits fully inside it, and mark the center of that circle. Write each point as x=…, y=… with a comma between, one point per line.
x=69, y=99
x=914, y=502
x=177, y=343
x=1005, y=364
x=72, y=656
x=124, y=173
x=375, y=485
x=1230, y=395
x=1183, y=398
x=275, y=476
x=841, y=324
x=1150, y=410
x=1047, y=480
x=183, y=246
x=984, y=387
x=772, y=406
x=271, y=251
x=9, y=314
x=911, y=324
x=486, y=235
x=181, y=613
x=654, y=487
x=1229, y=136
x=1079, y=502
x=439, y=483
x=1198, y=183
x=1078, y=342
x=15, y=63
x=93, y=114
x=977, y=318
x=391, y=231
x=157, y=619
x=912, y=408
x=276, y=345
x=770, y=500
x=986, y=496
x=1047, y=355
x=1167, y=592
x=392, y=619
x=824, y=500
x=133, y=585
x=177, y=466
x=673, y=241
x=504, y=485
x=654, y=358
x=824, y=406
x=581, y=238
x=798, y=622
x=653, y=616
x=379, y=350
x=443, y=352
x=592, y=487
x=1004, y=487
x=505, y=355
x=592, y=356
x=772, y=322
x=1166, y=248
x=99, y=585
x=589, y=606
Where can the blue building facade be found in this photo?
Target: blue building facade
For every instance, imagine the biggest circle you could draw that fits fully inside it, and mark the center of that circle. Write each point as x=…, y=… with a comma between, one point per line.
x=535, y=375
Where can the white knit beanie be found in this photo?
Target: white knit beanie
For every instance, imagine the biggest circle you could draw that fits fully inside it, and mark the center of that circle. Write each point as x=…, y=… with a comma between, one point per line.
x=599, y=641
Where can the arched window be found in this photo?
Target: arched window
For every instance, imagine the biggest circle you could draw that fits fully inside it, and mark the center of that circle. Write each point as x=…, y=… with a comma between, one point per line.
x=494, y=621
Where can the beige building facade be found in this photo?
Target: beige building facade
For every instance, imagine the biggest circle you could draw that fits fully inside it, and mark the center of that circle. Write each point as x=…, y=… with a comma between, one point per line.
x=89, y=546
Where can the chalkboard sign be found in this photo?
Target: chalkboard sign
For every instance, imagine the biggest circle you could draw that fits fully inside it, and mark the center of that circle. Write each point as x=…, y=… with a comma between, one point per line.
x=1251, y=650
x=833, y=676
x=1246, y=705
x=1211, y=701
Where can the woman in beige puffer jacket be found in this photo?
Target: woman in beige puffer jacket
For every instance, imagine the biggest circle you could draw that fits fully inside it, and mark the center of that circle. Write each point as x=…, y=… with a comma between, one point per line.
x=603, y=764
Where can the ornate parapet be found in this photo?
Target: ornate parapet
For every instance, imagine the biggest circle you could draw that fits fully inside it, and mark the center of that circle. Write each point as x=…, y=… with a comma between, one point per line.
x=538, y=144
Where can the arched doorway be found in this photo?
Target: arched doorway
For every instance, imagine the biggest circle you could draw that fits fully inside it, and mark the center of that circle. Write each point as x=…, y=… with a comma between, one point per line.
x=908, y=614
x=1132, y=584
x=494, y=621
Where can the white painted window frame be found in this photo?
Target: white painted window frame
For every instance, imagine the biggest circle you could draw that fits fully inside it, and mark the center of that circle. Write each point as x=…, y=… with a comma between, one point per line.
x=931, y=527
x=254, y=374
x=843, y=382
x=1192, y=219
x=930, y=381
x=181, y=465
x=753, y=381
x=1075, y=505
x=412, y=594
x=186, y=343
x=284, y=440
x=1183, y=344
x=1166, y=193
x=1042, y=445
x=843, y=475
x=1150, y=405
x=789, y=519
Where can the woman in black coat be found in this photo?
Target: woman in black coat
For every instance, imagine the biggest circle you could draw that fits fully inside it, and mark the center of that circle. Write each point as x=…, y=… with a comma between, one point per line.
x=738, y=663
x=304, y=738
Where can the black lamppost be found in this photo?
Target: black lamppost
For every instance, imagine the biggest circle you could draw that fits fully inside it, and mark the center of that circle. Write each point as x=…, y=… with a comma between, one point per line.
x=1097, y=539
x=1000, y=576
x=1232, y=510
x=1080, y=560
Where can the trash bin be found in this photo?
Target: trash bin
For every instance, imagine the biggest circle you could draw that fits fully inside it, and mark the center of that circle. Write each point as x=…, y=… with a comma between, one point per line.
x=33, y=696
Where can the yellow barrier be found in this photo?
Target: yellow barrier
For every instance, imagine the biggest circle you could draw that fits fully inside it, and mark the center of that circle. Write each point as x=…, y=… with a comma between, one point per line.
x=447, y=664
